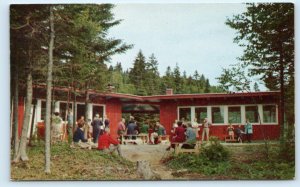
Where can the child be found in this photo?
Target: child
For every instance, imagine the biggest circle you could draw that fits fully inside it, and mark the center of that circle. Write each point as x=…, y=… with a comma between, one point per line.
x=230, y=130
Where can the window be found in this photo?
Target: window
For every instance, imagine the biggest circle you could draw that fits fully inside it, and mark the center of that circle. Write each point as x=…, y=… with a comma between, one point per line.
x=217, y=114
x=185, y=114
x=252, y=114
x=98, y=110
x=269, y=113
x=200, y=114
x=234, y=114
x=80, y=111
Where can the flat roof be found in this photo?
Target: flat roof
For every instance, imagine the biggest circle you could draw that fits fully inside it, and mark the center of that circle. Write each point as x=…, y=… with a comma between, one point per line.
x=125, y=97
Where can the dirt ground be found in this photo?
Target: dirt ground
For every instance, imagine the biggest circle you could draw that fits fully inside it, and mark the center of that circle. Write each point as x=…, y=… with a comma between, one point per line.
x=152, y=153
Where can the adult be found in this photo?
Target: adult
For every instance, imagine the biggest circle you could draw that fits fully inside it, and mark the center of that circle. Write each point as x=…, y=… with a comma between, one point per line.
x=108, y=144
x=56, y=127
x=79, y=139
x=97, y=127
x=80, y=121
x=248, y=130
x=179, y=135
x=121, y=127
x=230, y=131
x=106, y=121
x=144, y=132
x=132, y=128
x=206, y=125
x=196, y=127
x=70, y=125
x=159, y=130
x=190, y=137
x=239, y=133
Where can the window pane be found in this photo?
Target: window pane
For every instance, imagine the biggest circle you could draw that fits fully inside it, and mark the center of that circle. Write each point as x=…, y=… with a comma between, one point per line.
x=269, y=113
x=234, y=114
x=252, y=114
x=200, y=114
x=185, y=114
x=43, y=110
x=217, y=114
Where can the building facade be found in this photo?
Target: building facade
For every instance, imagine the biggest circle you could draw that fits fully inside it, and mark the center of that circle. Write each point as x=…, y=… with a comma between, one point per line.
x=261, y=108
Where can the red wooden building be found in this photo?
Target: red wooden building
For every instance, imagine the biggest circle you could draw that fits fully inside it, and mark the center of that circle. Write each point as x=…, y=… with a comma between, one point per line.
x=261, y=108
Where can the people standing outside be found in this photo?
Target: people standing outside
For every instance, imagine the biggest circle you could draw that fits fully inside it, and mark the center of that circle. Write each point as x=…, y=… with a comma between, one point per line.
x=106, y=121
x=144, y=132
x=121, y=127
x=132, y=129
x=206, y=125
x=239, y=133
x=230, y=131
x=70, y=125
x=196, y=127
x=108, y=144
x=56, y=127
x=96, y=124
x=248, y=130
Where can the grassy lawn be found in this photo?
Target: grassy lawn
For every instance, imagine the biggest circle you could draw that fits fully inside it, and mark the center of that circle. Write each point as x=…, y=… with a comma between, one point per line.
x=243, y=163
x=73, y=164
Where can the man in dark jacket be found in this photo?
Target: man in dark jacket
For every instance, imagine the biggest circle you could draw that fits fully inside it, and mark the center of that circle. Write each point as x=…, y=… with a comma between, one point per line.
x=97, y=125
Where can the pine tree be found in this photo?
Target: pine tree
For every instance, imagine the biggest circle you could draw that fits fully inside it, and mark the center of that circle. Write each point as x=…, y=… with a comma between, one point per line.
x=255, y=87
x=137, y=74
x=207, y=86
x=177, y=80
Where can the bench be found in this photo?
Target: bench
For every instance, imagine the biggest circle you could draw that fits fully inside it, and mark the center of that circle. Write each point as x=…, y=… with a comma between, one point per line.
x=179, y=149
x=235, y=140
x=138, y=139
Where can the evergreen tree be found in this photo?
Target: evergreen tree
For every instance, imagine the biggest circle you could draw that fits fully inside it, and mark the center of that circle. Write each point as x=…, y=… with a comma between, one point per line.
x=207, y=86
x=255, y=87
x=177, y=80
x=266, y=31
x=137, y=74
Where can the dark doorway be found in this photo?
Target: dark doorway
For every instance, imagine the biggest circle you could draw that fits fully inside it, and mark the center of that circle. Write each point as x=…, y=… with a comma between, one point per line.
x=98, y=110
x=80, y=111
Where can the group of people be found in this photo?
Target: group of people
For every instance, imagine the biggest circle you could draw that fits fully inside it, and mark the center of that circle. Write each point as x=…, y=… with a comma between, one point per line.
x=97, y=132
x=239, y=131
x=132, y=129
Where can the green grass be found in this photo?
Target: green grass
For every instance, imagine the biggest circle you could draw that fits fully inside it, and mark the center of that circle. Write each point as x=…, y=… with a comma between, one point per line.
x=73, y=164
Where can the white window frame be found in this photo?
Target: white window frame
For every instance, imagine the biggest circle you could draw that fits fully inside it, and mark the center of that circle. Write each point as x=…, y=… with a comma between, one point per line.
x=240, y=111
x=276, y=113
x=243, y=113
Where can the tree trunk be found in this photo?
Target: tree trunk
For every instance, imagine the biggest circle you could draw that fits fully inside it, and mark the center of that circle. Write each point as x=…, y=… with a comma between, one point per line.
x=21, y=153
x=282, y=100
x=48, y=99
x=15, y=111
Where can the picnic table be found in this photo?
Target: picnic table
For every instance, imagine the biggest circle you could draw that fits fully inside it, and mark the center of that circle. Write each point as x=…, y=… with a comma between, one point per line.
x=138, y=139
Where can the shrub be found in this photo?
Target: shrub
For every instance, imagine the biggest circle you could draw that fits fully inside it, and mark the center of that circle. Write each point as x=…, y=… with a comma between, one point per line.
x=215, y=151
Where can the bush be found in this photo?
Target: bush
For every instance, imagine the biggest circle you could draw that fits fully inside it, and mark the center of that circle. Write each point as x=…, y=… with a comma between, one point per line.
x=215, y=151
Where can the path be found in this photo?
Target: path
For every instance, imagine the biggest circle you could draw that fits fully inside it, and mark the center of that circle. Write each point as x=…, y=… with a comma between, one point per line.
x=151, y=153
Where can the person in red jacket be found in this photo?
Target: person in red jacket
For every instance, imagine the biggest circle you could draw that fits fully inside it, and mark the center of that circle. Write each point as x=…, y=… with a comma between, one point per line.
x=108, y=144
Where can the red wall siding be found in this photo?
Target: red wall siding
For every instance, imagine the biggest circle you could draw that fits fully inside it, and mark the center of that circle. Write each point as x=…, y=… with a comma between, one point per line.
x=114, y=113
x=168, y=114
x=260, y=132
x=21, y=110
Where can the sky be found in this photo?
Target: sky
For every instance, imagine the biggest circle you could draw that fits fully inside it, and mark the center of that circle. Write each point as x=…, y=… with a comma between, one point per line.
x=194, y=36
